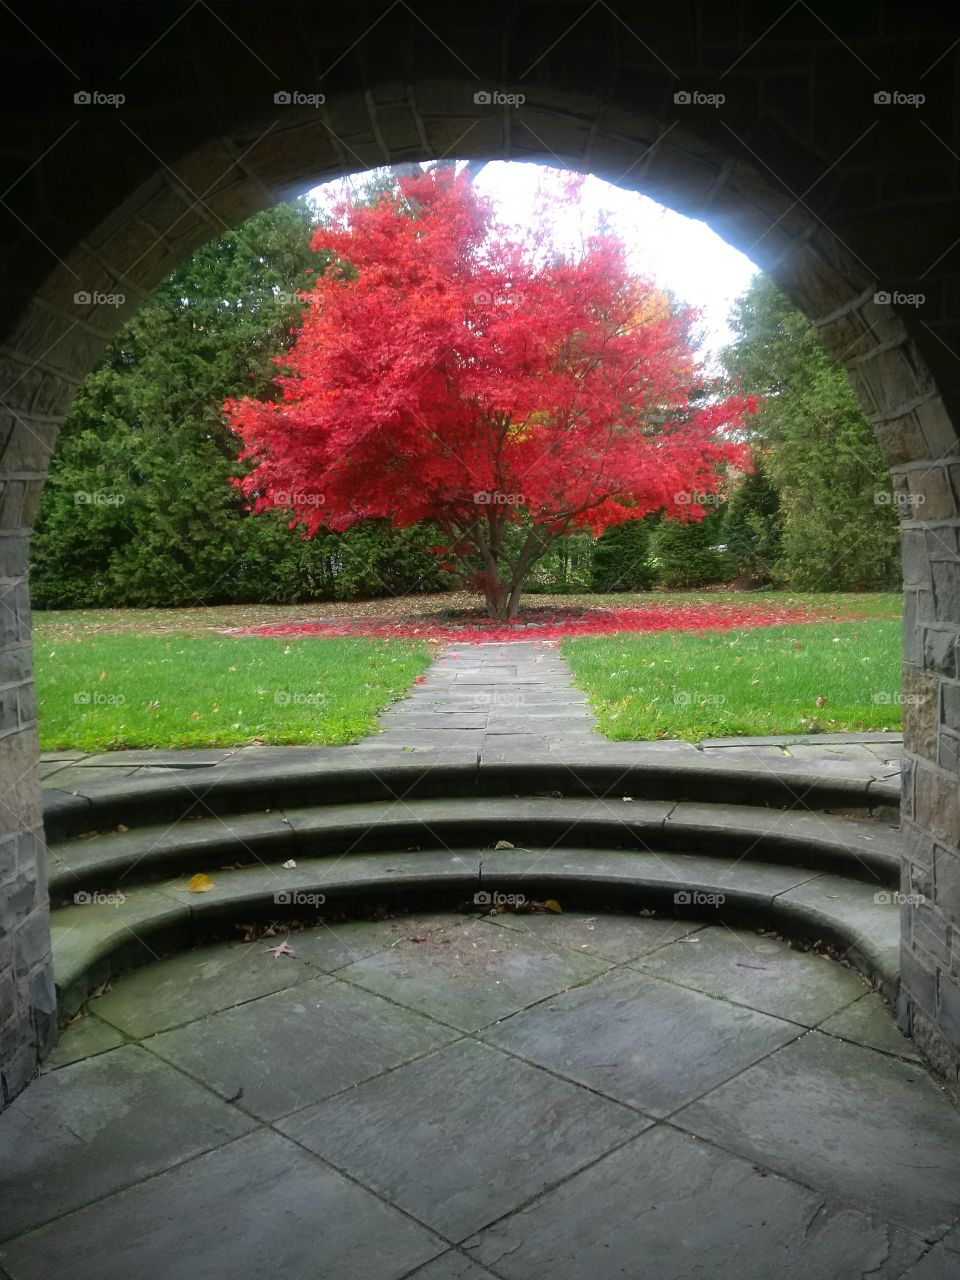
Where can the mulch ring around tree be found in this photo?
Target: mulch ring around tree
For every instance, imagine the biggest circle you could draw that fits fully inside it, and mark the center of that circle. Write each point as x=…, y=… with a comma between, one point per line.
x=549, y=624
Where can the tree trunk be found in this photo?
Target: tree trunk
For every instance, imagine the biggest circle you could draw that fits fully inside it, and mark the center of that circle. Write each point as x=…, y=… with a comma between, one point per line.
x=498, y=601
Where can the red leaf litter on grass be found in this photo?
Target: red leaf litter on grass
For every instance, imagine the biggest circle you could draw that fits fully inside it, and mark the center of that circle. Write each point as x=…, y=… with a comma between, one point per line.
x=552, y=626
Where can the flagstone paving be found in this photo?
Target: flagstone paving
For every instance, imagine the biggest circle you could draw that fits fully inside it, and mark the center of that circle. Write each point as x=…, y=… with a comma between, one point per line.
x=452, y=1097
x=491, y=694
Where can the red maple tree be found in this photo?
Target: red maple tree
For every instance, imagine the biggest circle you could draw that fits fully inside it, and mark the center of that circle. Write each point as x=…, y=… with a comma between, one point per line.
x=511, y=392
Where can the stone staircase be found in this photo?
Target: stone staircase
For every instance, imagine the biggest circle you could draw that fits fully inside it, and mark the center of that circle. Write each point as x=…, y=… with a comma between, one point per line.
x=292, y=836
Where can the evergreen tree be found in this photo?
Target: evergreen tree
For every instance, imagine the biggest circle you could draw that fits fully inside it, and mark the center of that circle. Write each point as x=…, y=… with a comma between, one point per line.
x=838, y=527
x=689, y=555
x=621, y=558
x=752, y=532
x=139, y=508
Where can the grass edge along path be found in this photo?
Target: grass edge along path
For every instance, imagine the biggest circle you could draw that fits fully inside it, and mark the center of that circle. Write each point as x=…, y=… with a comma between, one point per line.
x=111, y=692
x=815, y=678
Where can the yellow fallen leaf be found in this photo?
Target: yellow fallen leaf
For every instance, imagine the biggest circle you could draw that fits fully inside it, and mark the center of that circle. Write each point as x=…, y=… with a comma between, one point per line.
x=200, y=883
x=504, y=844
x=553, y=905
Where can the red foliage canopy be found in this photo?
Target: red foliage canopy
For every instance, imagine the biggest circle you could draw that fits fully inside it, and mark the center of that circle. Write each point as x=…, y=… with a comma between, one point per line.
x=447, y=370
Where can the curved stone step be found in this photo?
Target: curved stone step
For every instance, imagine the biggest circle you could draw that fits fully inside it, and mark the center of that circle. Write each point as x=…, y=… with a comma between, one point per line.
x=279, y=780
x=93, y=941
x=861, y=849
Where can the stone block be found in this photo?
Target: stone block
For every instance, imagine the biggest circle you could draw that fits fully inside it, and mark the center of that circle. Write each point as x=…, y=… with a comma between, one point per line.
x=921, y=718
x=946, y=590
x=918, y=982
x=937, y=804
x=916, y=566
x=946, y=879
x=940, y=651
x=932, y=493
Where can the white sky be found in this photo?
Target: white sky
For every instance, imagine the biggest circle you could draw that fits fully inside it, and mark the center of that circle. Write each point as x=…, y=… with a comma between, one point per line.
x=678, y=253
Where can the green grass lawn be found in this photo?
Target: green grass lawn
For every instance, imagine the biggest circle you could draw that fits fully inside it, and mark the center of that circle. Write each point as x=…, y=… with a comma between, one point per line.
x=103, y=691
x=769, y=680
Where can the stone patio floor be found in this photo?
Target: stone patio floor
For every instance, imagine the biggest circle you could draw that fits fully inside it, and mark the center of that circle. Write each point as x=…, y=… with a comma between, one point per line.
x=450, y=1097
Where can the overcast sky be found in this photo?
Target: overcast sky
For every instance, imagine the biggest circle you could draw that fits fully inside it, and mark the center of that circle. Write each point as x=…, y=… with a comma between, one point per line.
x=678, y=253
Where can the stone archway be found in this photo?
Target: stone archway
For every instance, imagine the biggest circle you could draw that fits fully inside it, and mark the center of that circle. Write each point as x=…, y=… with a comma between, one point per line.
x=817, y=163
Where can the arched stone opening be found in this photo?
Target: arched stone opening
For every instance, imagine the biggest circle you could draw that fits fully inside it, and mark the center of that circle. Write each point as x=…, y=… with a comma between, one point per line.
x=836, y=195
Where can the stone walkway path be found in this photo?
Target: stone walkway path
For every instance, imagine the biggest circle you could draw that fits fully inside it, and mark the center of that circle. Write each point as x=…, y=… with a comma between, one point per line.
x=491, y=695
x=454, y=1097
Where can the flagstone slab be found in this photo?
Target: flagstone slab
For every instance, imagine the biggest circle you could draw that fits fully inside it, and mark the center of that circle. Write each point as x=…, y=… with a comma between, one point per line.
x=452, y=1266
x=472, y=977
x=641, y=1041
x=84, y=1038
x=489, y=1133
x=758, y=972
x=849, y=1121
x=869, y=1021
x=339, y=943
x=101, y=1124
x=665, y=1205
x=190, y=985
x=298, y=1046
x=156, y=757
x=939, y=1264
x=258, y=1207
x=618, y=938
